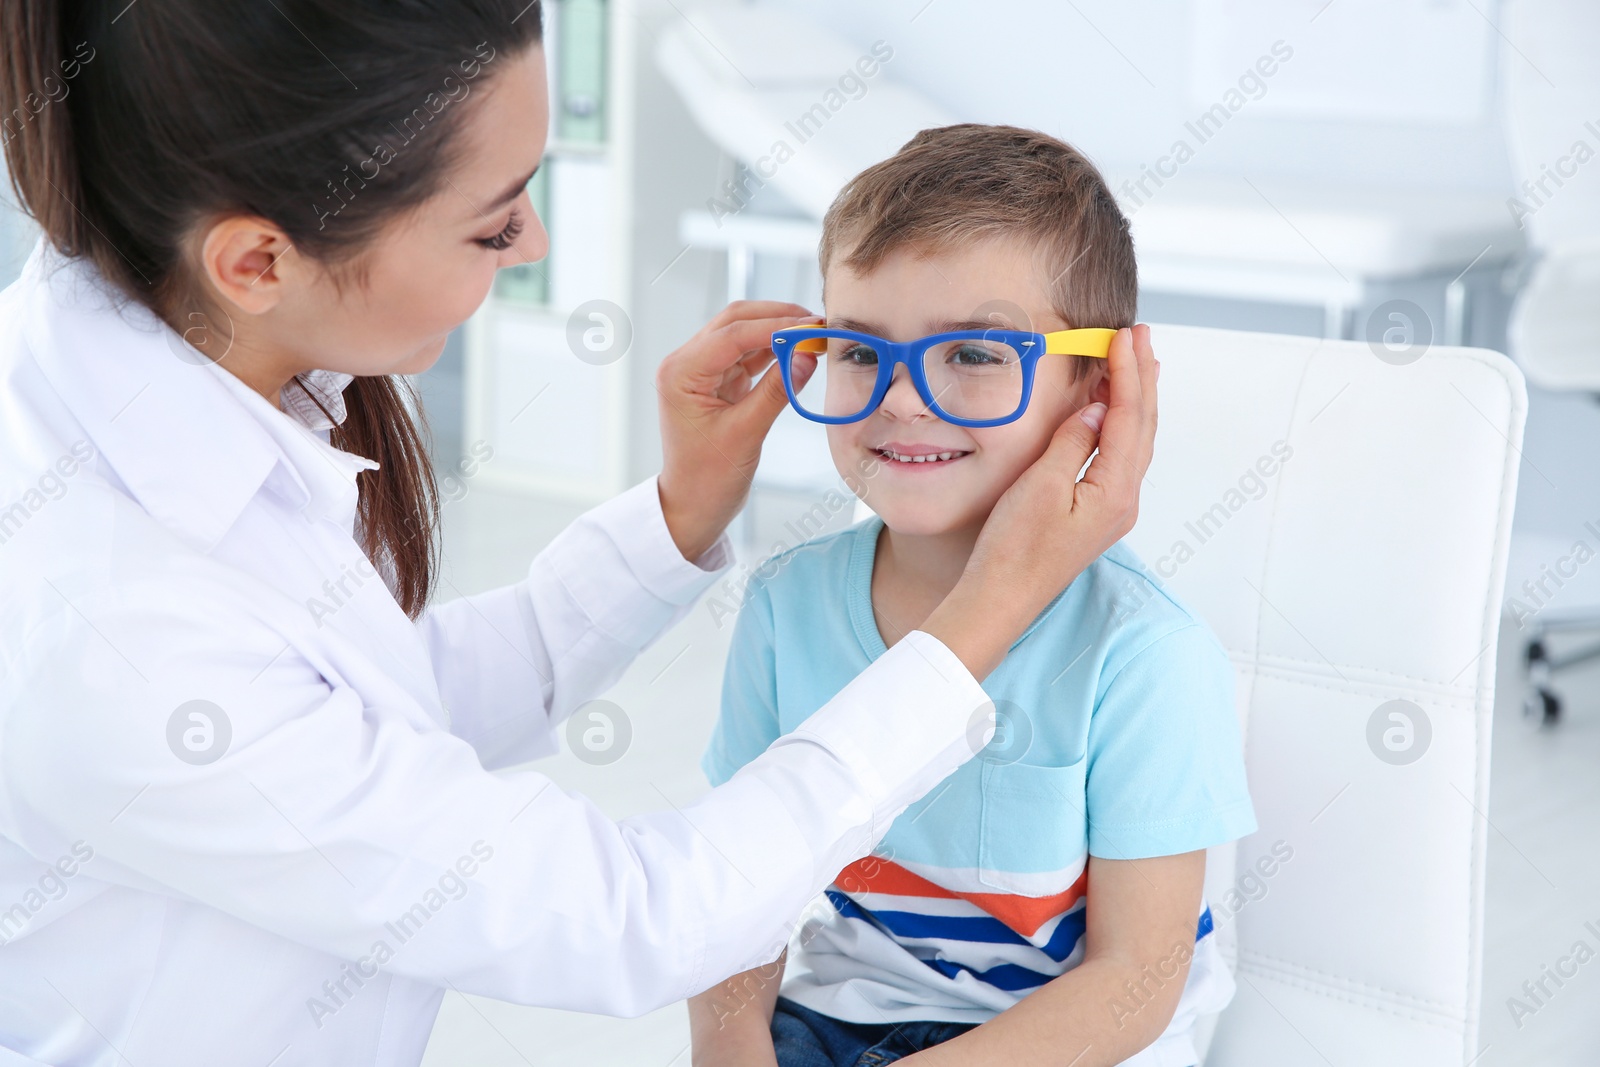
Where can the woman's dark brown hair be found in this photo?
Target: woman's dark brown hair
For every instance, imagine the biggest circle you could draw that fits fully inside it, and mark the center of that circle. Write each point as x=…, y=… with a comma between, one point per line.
x=129, y=126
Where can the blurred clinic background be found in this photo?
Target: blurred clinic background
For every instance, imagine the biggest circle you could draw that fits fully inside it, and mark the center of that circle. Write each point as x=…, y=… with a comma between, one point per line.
x=1379, y=169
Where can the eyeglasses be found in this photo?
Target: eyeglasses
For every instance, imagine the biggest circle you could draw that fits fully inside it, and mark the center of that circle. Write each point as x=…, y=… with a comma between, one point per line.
x=965, y=377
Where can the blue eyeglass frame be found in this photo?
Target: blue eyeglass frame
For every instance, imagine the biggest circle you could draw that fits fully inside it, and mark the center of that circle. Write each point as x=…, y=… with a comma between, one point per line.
x=1080, y=342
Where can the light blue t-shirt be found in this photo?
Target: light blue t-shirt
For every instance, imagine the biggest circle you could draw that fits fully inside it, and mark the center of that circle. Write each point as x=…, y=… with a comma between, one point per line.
x=1117, y=738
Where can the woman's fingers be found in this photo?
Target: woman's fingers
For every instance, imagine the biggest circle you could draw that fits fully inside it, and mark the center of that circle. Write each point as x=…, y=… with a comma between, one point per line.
x=1071, y=446
x=1051, y=516
x=766, y=400
x=701, y=365
x=715, y=413
x=1127, y=440
x=738, y=379
x=759, y=309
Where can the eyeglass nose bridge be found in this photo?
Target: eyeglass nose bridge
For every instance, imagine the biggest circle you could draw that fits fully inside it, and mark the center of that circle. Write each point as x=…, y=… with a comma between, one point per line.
x=886, y=383
x=890, y=355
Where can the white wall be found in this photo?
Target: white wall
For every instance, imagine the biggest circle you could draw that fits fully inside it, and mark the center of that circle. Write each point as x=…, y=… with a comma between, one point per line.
x=18, y=233
x=1113, y=77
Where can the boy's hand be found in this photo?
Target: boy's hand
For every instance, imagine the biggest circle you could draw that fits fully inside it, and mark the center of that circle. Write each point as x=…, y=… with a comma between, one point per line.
x=730, y=1025
x=715, y=415
x=1140, y=932
x=1050, y=525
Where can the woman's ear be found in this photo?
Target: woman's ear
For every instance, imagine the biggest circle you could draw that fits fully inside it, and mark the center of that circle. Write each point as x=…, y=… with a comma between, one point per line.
x=242, y=256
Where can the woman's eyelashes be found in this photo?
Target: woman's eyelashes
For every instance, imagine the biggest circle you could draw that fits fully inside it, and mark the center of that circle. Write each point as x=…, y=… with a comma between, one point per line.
x=502, y=240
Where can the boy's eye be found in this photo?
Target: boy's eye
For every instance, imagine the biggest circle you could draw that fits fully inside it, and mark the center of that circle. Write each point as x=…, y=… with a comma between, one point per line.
x=857, y=355
x=973, y=355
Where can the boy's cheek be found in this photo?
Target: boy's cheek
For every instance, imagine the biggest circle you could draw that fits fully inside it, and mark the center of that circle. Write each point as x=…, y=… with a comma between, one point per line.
x=999, y=471
x=845, y=447
x=1010, y=449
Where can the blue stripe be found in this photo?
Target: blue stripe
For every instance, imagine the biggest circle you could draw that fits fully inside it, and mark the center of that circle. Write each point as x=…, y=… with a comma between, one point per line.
x=915, y=924
x=978, y=928
x=1065, y=937
x=1007, y=976
x=986, y=930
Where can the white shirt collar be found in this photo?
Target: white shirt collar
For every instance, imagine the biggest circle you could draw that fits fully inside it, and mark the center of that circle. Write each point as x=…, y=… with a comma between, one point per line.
x=192, y=443
x=329, y=387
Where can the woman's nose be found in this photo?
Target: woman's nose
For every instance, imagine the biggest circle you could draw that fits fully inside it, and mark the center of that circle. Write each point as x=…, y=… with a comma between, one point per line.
x=901, y=401
x=533, y=244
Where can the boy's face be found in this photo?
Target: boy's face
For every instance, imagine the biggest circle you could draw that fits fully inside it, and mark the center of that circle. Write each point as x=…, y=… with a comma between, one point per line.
x=908, y=296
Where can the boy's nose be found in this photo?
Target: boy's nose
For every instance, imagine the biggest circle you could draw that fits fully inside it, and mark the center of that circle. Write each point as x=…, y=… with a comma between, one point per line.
x=901, y=401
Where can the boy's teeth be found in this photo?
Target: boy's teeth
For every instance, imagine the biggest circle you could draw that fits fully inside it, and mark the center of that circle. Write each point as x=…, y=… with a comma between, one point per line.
x=898, y=458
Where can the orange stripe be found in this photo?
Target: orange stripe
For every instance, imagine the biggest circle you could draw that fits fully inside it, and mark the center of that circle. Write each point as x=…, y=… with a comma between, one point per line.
x=1022, y=913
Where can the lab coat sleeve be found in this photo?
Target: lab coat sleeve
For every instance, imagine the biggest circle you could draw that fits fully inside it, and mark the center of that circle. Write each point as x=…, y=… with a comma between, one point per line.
x=514, y=662
x=367, y=833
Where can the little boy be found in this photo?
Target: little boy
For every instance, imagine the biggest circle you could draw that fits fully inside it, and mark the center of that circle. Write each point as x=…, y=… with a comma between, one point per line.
x=1043, y=904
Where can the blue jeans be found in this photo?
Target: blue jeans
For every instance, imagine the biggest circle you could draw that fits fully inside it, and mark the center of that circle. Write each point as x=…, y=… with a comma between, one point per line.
x=804, y=1038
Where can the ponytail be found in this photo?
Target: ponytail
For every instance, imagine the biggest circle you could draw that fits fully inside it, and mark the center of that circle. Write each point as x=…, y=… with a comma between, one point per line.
x=37, y=69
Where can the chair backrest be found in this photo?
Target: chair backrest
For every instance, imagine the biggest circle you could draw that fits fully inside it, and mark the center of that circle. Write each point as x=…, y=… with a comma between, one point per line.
x=1554, y=331
x=1552, y=118
x=1552, y=115
x=1343, y=523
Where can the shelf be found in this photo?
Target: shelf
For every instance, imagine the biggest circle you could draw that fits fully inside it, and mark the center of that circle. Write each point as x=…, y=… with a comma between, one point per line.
x=557, y=420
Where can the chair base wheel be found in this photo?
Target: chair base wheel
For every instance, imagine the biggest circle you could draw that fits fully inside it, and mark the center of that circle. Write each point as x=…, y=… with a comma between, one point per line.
x=1542, y=706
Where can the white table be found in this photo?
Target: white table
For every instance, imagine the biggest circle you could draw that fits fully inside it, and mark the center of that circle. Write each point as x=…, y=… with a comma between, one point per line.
x=1303, y=243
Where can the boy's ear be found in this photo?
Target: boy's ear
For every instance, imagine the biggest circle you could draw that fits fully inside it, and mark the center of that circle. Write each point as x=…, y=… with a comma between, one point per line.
x=1101, y=393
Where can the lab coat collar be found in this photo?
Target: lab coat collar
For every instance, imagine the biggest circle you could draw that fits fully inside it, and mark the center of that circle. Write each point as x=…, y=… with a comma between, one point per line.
x=191, y=442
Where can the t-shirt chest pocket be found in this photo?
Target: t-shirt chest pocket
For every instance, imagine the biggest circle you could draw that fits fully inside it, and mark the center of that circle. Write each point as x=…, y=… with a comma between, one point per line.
x=1031, y=823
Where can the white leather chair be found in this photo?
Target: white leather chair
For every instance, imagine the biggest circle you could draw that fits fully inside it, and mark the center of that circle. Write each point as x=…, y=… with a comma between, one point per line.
x=1343, y=523
x=1552, y=120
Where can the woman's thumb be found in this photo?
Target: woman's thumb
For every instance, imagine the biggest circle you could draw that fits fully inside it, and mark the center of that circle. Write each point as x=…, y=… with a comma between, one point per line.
x=1095, y=415
x=1075, y=439
x=763, y=403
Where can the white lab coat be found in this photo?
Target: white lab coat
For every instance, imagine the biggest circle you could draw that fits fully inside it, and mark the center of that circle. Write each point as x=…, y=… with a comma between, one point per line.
x=167, y=536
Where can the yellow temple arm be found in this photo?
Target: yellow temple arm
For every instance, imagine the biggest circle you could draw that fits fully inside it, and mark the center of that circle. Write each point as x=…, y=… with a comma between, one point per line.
x=1089, y=341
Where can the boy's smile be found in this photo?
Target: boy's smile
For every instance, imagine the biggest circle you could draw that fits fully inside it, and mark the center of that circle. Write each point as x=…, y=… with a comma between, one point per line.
x=933, y=477
x=920, y=455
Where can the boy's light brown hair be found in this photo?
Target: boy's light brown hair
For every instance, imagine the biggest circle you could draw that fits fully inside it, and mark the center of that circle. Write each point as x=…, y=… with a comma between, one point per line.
x=957, y=184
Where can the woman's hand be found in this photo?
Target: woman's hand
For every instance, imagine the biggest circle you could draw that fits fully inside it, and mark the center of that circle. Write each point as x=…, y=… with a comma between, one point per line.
x=714, y=416
x=1049, y=525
